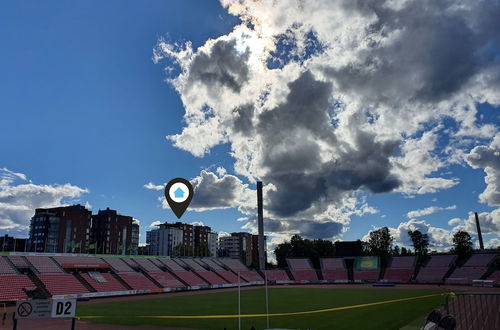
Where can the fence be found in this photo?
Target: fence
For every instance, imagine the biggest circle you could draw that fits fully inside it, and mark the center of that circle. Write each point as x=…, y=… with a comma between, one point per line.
x=475, y=311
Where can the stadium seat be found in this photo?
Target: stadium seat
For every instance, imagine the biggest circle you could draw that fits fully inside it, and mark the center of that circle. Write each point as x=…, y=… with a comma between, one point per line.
x=298, y=263
x=366, y=275
x=171, y=265
x=44, y=264
x=401, y=269
x=118, y=265
x=137, y=281
x=276, y=275
x=109, y=284
x=166, y=280
x=495, y=277
x=211, y=277
x=147, y=265
x=19, y=261
x=304, y=275
x=58, y=284
x=436, y=269
x=190, y=278
x=336, y=275
x=473, y=269
x=229, y=276
x=211, y=264
x=12, y=285
x=251, y=276
x=233, y=264
x=5, y=267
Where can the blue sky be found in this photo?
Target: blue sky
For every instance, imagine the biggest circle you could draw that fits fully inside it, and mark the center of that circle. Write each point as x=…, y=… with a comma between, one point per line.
x=83, y=103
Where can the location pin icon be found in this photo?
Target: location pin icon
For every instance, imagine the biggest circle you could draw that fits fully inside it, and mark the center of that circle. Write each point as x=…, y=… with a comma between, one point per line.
x=179, y=193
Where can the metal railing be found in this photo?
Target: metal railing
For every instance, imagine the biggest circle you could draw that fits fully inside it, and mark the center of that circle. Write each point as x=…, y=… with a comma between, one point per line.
x=475, y=311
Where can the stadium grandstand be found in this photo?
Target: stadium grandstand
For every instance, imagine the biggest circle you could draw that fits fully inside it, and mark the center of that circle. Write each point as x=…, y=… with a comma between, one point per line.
x=401, y=269
x=333, y=270
x=474, y=269
x=366, y=269
x=435, y=269
x=91, y=276
x=302, y=270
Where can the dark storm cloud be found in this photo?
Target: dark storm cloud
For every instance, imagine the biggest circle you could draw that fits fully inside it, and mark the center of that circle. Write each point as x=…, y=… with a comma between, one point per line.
x=438, y=51
x=294, y=159
x=211, y=191
x=242, y=122
x=306, y=228
x=224, y=66
x=303, y=227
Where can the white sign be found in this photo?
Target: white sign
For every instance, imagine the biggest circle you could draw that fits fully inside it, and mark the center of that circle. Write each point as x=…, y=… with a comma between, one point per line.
x=41, y=308
x=31, y=309
x=63, y=308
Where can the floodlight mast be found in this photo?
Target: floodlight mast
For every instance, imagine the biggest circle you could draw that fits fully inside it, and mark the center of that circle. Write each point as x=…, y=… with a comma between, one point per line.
x=479, y=235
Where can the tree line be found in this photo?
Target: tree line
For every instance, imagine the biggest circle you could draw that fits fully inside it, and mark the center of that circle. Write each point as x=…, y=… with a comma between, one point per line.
x=379, y=243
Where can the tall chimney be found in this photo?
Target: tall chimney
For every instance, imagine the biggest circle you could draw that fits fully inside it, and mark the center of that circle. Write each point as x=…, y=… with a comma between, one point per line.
x=481, y=245
x=260, y=218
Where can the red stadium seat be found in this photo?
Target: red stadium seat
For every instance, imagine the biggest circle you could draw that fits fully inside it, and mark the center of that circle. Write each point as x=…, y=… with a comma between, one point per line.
x=11, y=286
x=58, y=284
x=107, y=284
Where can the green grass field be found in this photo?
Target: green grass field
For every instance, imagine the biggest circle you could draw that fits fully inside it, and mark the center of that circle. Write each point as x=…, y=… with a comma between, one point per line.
x=281, y=300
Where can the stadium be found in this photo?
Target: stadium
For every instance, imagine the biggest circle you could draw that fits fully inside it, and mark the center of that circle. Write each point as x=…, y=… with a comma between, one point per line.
x=117, y=292
x=250, y=165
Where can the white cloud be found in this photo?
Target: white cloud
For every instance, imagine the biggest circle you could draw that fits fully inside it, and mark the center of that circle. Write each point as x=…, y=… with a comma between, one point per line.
x=154, y=224
x=18, y=199
x=355, y=102
x=493, y=243
x=152, y=186
x=440, y=239
x=488, y=158
x=489, y=221
x=429, y=210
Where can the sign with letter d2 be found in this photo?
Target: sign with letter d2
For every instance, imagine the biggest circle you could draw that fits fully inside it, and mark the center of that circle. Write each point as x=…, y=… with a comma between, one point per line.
x=63, y=308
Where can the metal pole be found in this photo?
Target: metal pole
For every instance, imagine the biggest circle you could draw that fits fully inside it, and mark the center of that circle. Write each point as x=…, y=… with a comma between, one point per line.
x=260, y=222
x=14, y=321
x=73, y=323
x=239, y=302
x=267, y=300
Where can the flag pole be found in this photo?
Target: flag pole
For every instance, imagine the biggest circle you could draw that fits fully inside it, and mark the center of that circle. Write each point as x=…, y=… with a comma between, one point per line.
x=239, y=302
x=267, y=299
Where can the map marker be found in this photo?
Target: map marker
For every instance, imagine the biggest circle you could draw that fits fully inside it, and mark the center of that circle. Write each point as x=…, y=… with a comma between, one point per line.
x=179, y=193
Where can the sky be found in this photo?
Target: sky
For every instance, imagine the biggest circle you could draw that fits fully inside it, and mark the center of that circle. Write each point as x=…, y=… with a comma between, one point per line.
x=355, y=115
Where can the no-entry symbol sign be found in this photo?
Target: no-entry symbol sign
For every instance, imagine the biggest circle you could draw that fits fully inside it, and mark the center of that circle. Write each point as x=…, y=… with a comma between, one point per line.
x=35, y=308
x=24, y=309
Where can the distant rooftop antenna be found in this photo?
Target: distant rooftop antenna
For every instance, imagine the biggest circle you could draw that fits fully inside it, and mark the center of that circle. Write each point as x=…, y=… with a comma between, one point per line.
x=260, y=218
x=481, y=245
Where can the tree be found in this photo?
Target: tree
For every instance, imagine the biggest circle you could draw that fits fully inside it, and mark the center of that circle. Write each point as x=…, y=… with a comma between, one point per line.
x=283, y=251
x=183, y=250
x=202, y=250
x=396, y=251
x=299, y=247
x=420, y=244
x=380, y=244
x=462, y=244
